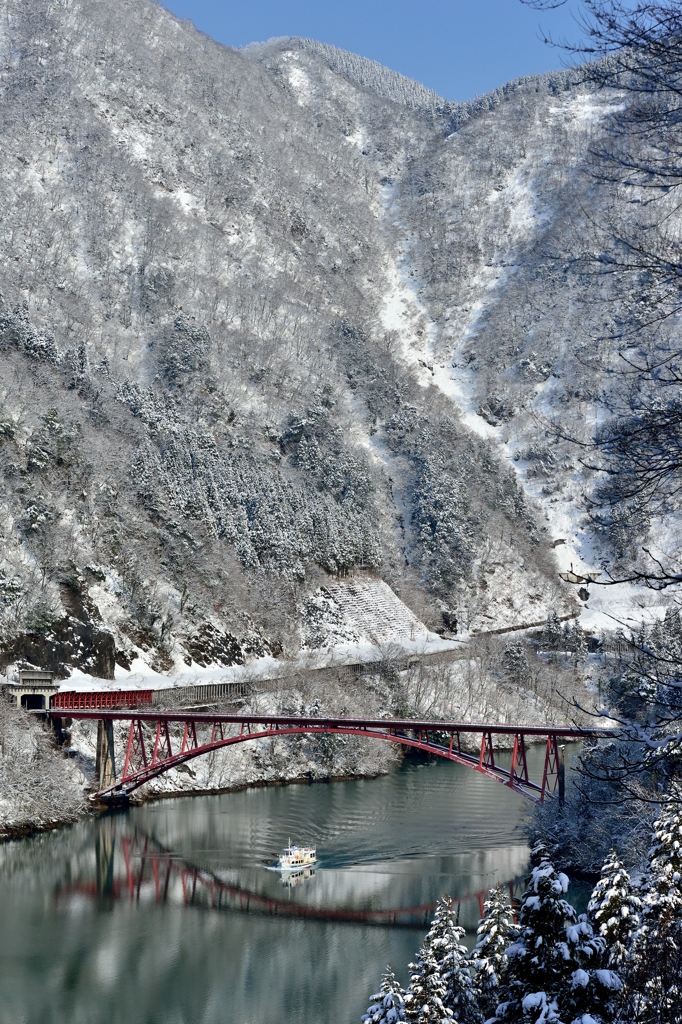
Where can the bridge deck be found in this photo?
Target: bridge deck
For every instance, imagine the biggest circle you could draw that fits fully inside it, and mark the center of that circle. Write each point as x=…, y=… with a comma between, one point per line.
x=399, y=724
x=150, y=753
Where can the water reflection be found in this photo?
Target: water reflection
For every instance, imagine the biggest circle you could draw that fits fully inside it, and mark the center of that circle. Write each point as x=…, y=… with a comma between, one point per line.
x=292, y=878
x=168, y=914
x=147, y=873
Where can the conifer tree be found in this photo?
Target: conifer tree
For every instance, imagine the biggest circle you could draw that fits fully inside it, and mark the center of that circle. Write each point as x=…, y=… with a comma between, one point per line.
x=555, y=962
x=654, y=977
x=441, y=986
x=663, y=883
x=615, y=910
x=460, y=995
x=388, y=1004
x=425, y=998
x=552, y=633
x=489, y=957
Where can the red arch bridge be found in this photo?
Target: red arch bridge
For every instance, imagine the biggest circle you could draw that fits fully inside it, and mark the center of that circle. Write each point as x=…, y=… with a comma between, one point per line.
x=158, y=741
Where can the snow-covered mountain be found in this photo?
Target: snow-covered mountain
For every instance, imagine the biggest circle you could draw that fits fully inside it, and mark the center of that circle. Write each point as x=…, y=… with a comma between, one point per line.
x=277, y=315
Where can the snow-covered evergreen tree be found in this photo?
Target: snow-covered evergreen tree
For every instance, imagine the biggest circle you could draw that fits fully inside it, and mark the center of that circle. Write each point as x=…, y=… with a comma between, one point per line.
x=425, y=998
x=552, y=632
x=662, y=904
x=489, y=957
x=555, y=962
x=460, y=995
x=654, y=976
x=615, y=910
x=388, y=1004
x=441, y=986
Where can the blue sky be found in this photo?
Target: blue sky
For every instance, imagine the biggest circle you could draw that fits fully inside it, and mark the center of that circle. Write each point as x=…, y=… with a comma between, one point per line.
x=460, y=48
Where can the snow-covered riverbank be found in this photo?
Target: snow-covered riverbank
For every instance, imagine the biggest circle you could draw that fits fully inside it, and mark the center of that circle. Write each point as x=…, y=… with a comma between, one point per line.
x=42, y=786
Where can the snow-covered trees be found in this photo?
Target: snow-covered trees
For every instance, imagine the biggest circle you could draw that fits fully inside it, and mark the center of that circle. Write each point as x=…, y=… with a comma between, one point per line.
x=622, y=965
x=644, y=693
x=662, y=904
x=425, y=997
x=460, y=995
x=441, y=986
x=551, y=636
x=212, y=293
x=489, y=957
x=653, y=978
x=555, y=962
x=387, y=1006
x=372, y=75
x=38, y=787
x=615, y=909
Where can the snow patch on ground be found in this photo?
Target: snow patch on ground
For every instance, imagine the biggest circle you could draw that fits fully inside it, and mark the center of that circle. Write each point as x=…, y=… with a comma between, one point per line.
x=404, y=313
x=298, y=79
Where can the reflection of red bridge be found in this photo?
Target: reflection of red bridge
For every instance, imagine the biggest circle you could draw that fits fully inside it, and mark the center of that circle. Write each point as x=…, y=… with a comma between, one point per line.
x=158, y=741
x=148, y=864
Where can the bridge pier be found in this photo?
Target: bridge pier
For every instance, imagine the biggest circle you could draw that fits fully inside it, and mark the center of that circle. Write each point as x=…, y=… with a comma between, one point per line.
x=561, y=772
x=105, y=765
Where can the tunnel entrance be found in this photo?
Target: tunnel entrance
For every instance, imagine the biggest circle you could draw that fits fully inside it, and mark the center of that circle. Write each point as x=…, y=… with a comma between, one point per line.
x=33, y=701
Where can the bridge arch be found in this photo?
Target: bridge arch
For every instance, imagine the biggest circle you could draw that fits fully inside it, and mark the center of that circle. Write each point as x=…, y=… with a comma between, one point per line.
x=150, y=753
x=134, y=779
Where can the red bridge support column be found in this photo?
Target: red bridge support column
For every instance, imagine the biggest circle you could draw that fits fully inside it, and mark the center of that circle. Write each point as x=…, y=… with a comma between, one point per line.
x=550, y=774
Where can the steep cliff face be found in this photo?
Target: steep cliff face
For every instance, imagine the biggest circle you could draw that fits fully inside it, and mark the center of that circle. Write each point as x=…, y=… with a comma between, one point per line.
x=275, y=315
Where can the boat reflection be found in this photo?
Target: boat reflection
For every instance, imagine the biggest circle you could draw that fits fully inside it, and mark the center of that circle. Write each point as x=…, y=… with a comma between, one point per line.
x=293, y=878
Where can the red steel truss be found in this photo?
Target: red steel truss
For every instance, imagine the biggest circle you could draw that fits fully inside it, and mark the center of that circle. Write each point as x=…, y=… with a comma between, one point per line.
x=158, y=741
x=68, y=700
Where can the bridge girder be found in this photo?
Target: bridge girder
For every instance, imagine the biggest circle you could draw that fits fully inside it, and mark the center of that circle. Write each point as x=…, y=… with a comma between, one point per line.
x=149, y=752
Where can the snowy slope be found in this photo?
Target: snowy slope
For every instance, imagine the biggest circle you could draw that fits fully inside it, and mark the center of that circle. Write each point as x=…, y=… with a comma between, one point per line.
x=275, y=317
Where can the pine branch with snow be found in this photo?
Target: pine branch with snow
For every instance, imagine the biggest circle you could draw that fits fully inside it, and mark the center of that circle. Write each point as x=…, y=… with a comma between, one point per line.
x=489, y=957
x=388, y=1004
x=615, y=909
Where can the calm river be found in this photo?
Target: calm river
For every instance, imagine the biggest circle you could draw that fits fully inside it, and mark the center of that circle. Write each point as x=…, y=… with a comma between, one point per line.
x=167, y=914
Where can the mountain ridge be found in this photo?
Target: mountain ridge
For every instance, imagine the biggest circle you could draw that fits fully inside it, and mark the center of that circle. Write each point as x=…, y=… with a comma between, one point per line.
x=235, y=285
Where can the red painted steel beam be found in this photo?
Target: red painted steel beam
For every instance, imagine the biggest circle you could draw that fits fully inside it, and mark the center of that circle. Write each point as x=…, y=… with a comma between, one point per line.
x=141, y=766
x=413, y=725
x=132, y=780
x=87, y=700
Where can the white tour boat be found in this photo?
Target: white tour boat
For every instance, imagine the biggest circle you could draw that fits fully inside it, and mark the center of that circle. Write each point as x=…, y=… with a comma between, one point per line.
x=293, y=858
